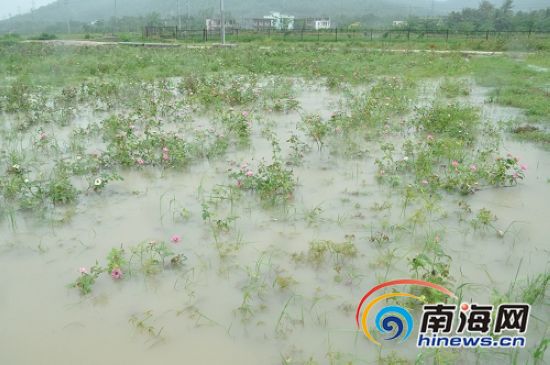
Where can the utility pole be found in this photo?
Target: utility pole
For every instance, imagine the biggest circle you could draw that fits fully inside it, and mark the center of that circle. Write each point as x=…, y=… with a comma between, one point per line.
x=115, y=20
x=222, y=22
x=32, y=15
x=67, y=16
x=187, y=16
x=179, y=14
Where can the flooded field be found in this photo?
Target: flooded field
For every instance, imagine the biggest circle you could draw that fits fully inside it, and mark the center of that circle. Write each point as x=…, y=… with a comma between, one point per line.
x=240, y=220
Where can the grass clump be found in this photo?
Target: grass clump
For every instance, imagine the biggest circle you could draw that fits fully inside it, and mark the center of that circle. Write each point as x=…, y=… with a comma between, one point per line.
x=450, y=88
x=532, y=134
x=454, y=121
x=148, y=258
x=273, y=182
x=321, y=250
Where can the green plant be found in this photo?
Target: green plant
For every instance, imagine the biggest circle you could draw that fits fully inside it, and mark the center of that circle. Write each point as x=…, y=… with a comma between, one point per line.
x=46, y=36
x=540, y=350
x=86, y=280
x=535, y=289
x=153, y=256
x=59, y=189
x=141, y=323
x=321, y=250
x=432, y=265
x=506, y=171
x=454, y=121
x=316, y=128
x=116, y=259
x=454, y=88
x=298, y=149
x=238, y=124
x=483, y=219
x=273, y=182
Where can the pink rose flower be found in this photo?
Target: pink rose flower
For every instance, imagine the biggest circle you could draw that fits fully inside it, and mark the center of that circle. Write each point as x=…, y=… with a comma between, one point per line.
x=116, y=273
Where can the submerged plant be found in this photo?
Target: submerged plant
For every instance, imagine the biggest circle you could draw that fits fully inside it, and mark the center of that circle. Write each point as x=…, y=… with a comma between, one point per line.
x=432, y=265
x=153, y=257
x=483, y=219
x=87, y=279
x=116, y=259
x=141, y=323
x=454, y=121
x=320, y=251
x=507, y=171
x=273, y=182
x=316, y=128
x=60, y=189
x=238, y=124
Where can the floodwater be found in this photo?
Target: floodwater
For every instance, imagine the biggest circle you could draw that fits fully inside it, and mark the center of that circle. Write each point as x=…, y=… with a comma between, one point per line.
x=194, y=311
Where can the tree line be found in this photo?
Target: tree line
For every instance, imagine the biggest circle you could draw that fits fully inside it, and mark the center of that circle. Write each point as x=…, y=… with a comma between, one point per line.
x=487, y=17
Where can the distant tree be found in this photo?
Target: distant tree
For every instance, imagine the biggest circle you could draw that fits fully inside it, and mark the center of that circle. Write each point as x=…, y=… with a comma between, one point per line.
x=153, y=19
x=503, y=16
x=507, y=6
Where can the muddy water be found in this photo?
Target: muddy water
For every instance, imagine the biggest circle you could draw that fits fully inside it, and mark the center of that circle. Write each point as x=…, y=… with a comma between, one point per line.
x=195, y=309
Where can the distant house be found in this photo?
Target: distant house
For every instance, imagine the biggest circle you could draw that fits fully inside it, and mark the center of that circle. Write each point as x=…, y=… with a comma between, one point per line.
x=321, y=23
x=400, y=23
x=279, y=21
x=314, y=23
x=215, y=24
x=261, y=24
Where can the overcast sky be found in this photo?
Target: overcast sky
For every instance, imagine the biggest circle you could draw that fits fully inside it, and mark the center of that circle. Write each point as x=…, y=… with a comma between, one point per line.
x=13, y=7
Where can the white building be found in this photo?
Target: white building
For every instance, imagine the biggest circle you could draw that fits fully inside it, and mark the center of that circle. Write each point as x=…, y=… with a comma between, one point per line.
x=215, y=24
x=322, y=23
x=399, y=23
x=280, y=21
x=316, y=23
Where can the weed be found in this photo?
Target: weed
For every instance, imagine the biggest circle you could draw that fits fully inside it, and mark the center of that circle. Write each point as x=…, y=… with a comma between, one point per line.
x=86, y=280
x=432, y=265
x=273, y=182
x=141, y=323
x=453, y=121
x=316, y=129
x=540, y=350
x=483, y=219
x=320, y=251
x=454, y=88
x=298, y=150
x=60, y=189
x=153, y=257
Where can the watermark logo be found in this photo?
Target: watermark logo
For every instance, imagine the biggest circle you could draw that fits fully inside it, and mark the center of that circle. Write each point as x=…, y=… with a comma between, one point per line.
x=469, y=325
x=391, y=319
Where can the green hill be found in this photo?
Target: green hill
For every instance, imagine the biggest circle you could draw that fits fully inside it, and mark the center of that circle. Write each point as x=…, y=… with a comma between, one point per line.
x=85, y=11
